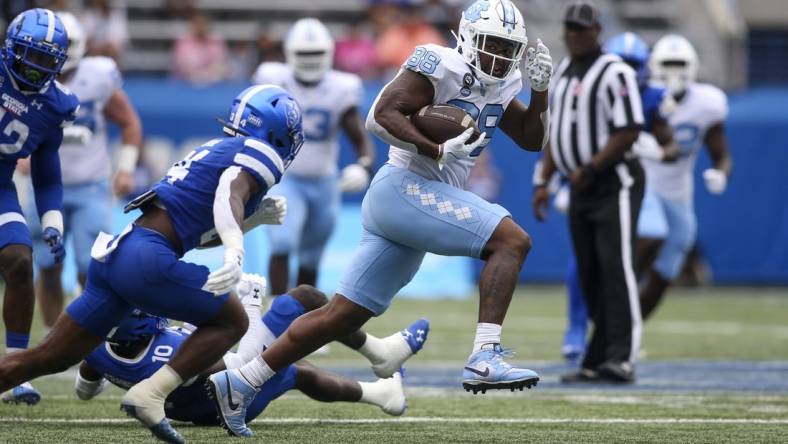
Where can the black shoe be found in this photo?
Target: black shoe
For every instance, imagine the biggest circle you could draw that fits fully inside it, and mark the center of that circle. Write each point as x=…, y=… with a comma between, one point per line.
x=583, y=375
x=617, y=372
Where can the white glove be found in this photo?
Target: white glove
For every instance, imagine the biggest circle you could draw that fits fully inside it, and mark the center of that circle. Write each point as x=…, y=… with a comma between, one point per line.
x=561, y=200
x=251, y=290
x=456, y=148
x=647, y=147
x=353, y=179
x=716, y=180
x=224, y=279
x=539, y=66
x=270, y=211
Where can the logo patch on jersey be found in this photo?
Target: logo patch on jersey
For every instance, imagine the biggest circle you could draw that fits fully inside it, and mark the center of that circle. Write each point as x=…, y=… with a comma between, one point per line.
x=467, y=80
x=37, y=104
x=474, y=12
x=14, y=105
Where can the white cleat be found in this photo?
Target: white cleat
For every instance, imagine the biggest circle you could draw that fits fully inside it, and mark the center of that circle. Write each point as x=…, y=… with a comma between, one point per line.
x=401, y=346
x=146, y=407
x=251, y=290
x=396, y=403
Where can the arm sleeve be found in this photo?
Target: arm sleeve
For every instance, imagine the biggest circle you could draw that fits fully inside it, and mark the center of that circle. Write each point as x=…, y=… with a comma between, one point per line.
x=262, y=162
x=626, y=108
x=45, y=173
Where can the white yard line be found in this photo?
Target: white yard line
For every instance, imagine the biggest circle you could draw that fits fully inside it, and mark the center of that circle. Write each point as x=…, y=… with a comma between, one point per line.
x=436, y=420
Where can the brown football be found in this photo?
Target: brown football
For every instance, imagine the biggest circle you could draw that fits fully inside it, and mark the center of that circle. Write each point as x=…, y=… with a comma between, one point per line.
x=442, y=122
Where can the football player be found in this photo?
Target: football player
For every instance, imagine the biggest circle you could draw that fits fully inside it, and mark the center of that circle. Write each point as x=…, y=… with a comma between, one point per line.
x=86, y=164
x=698, y=120
x=141, y=344
x=35, y=109
x=210, y=196
x=330, y=100
x=417, y=201
x=655, y=142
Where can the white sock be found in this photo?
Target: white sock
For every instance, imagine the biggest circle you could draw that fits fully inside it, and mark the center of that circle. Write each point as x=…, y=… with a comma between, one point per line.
x=256, y=372
x=486, y=334
x=164, y=381
x=10, y=350
x=374, y=349
x=375, y=393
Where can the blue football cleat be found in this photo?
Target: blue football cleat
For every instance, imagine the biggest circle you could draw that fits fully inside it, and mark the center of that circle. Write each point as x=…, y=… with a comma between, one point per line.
x=416, y=334
x=23, y=393
x=232, y=395
x=162, y=430
x=486, y=370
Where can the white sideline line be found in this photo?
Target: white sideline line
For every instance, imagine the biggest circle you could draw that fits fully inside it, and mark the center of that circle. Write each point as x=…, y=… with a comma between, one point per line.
x=438, y=419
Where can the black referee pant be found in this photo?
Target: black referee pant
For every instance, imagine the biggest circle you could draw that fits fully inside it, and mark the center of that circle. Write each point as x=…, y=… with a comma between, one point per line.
x=603, y=221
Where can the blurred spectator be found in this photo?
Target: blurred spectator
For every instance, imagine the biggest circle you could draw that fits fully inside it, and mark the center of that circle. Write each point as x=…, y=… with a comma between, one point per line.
x=241, y=63
x=396, y=43
x=106, y=26
x=444, y=15
x=200, y=56
x=269, y=49
x=180, y=9
x=355, y=52
x=10, y=9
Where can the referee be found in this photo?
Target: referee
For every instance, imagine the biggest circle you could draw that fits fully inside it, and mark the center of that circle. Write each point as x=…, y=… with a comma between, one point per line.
x=597, y=115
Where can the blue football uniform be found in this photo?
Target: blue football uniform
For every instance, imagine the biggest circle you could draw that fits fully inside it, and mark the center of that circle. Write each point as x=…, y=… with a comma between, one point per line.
x=31, y=125
x=141, y=268
x=190, y=401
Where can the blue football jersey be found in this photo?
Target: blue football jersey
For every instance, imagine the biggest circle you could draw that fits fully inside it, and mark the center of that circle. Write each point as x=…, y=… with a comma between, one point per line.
x=126, y=372
x=652, y=97
x=189, y=187
x=30, y=121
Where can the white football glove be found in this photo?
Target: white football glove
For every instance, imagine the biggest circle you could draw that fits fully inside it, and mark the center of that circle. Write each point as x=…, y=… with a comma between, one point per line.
x=251, y=290
x=353, y=179
x=270, y=211
x=456, y=148
x=225, y=278
x=539, y=66
x=647, y=147
x=716, y=180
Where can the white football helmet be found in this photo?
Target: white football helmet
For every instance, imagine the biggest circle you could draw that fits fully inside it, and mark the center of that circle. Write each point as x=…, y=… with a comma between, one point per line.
x=76, y=40
x=309, y=49
x=492, y=18
x=674, y=63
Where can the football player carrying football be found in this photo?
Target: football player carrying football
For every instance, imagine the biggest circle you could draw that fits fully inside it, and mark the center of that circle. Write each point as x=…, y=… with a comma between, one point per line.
x=416, y=202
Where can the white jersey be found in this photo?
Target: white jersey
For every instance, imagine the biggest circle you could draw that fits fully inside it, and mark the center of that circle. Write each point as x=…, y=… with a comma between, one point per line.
x=323, y=106
x=702, y=107
x=83, y=155
x=455, y=84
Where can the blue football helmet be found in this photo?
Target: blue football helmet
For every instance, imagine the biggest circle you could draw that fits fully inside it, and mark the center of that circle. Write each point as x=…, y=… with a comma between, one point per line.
x=136, y=326
x=35, y=48
x=634, y=50
x=271, y=114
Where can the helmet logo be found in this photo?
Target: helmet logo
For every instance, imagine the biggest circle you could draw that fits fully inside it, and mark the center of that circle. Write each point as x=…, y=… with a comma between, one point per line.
x=474, y=12
x=509, y=18
x=254, y=120
x=293, y=114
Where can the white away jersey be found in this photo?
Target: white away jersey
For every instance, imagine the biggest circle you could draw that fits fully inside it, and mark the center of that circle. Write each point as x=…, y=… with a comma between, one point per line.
x=455, y=84
x=702, y=107
x=83, y=155
x=323, y=106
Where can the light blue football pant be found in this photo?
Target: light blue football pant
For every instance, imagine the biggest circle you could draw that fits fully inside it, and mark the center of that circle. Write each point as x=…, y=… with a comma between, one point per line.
x=405, y=215
x=312, y=209
x=673, y=221
x=87, y=211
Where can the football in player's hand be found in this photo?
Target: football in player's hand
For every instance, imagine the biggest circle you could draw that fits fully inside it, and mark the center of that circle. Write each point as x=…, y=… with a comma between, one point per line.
x=443, y=122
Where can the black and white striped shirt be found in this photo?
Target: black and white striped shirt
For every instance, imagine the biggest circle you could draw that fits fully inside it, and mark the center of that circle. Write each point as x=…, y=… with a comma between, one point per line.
x=586, y=107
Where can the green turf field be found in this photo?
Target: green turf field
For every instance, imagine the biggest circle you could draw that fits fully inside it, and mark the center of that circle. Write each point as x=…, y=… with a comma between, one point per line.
x=710, y=325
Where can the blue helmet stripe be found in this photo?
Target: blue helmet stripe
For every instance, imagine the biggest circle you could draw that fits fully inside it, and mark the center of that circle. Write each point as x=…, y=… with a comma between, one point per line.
x=509, y=17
